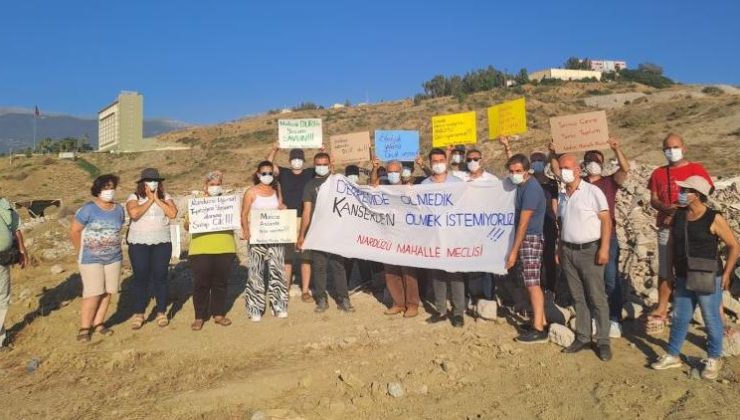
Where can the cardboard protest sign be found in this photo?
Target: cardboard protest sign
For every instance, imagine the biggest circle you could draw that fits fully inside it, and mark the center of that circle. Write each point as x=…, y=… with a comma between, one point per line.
x=507, y=119
x=579, y=132
x=272, y=227
x=300, y=134
x=402, y=145
x=456, y=227
x=350, y=148
x=454, y=129
x=214, y=214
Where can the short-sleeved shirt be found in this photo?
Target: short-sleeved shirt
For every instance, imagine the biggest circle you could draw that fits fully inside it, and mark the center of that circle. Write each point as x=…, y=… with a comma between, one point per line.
x=660, y=185
x=292, y=187
x=101, y=238
x=153, y=227
x=311, y=191
x=579, y=213
x=529, y=196
x=449, y=178
x=609, y=186
x=484, y=177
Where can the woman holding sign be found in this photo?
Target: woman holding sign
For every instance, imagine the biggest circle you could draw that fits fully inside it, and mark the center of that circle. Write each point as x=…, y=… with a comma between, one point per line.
x=211, y=255
x=265, y=195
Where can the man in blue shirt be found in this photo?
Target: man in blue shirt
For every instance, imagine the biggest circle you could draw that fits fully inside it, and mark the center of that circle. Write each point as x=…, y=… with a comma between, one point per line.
x=526, y=252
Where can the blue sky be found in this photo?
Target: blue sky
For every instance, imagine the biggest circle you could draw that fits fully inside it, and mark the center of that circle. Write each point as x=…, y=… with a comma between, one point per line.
x=206, y=62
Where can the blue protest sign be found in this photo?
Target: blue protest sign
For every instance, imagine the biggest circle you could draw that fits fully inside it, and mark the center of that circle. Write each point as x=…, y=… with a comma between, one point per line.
x=402, y=145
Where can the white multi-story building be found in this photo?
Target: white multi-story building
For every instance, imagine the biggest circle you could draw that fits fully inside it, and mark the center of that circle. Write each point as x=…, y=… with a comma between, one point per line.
x=121, y=124
x=608, y=65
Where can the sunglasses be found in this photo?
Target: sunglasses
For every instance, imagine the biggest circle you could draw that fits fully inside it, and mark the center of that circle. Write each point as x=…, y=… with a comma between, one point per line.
x=266, y=173
x=687, y=190
x=472, y=159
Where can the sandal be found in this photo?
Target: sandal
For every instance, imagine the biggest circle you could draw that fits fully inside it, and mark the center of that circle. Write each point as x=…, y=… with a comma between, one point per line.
x=162, y=320
x=306, y=297
x=137, y=322
x=83, y=334
x=102, y=329
x=222, y=321
x=197, y=325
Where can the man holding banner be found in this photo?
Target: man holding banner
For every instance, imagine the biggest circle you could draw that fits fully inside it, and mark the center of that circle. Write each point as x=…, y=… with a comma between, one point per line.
x=323, y=260
x=442, y=279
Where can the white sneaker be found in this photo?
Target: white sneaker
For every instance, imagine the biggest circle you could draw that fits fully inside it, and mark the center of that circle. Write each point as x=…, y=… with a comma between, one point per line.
x=255, y=318
x=281, y=314
x=615, y=330
x=711, y=368
x=667, y=361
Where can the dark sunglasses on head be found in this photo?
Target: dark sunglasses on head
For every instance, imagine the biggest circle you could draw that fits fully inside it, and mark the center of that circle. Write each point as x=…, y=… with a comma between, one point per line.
x=266, y=173
x=472, y=159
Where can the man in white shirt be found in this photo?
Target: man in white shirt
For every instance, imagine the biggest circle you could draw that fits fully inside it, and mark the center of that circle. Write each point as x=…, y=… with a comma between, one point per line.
x=584, y=251
x=475, y=172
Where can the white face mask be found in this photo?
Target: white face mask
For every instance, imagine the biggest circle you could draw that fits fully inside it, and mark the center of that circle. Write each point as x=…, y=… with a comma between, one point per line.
x=567, y=175
x=266, y=179
x=296, y=164
x=152, y=185
x=457, y=158
x=593, y=168
x=322, y=170
x=394, y=177
x=215, y=190
x=673, y=155
x=473, y=165
x=107, y=195
x=353, y=178
x=516, y=179
x=439, y=168
x=406, y=173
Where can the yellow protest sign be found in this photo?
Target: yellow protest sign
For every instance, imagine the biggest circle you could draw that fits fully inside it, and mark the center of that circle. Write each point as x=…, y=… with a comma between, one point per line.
x=507, y=119
x=454, y=129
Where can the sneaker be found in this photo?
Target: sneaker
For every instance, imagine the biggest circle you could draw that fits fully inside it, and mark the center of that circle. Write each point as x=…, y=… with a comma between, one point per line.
x=436, y=318
x=281, y=314
x=458, y=321
x=575, y=347
x=615, y=330
x=255, y=317
x=321, y=306
x=533, y=336
x=346, y=306
x=667, y=361
x=711, y=368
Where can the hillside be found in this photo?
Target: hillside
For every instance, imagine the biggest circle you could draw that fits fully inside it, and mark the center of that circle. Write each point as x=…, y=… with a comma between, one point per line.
x=336, y=365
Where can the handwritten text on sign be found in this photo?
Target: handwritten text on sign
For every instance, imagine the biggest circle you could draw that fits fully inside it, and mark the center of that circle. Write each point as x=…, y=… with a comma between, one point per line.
x=579, y=132
x=214, y=214
x=350, y=148
x=456, y=227
x=305, y=133
x=400, y=145
x=272, y=227
x=507, y=119
x=454, y=129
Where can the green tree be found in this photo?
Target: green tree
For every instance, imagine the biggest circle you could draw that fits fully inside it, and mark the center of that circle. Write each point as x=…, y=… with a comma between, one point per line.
x=575, y=63
x=522, y=77
x=650, y=68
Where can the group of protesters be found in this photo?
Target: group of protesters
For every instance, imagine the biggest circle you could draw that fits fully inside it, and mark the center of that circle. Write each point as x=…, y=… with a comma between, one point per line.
x=564, y=239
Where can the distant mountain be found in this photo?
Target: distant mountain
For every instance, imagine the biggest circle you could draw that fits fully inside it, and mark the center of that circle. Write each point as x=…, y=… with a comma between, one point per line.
x=16, y=128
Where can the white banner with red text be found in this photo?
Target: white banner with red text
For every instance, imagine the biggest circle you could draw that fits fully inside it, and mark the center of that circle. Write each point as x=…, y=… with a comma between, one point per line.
x=455, y=227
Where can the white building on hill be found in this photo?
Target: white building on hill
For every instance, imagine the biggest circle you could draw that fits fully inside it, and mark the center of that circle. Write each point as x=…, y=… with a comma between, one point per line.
x=608, y=65
x=564, y=74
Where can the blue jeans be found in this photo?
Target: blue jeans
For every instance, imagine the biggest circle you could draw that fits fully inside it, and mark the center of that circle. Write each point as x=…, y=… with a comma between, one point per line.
x=150, y=264
x=613, y=281
x=684, y=303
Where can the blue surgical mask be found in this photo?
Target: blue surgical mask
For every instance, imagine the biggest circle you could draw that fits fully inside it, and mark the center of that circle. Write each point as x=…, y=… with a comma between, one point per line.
x=683, y=198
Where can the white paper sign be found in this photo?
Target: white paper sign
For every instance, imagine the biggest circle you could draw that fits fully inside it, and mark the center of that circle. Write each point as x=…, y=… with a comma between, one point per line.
x=300, y=134
x=272, y=227
x=456, y=227
x=214, y=214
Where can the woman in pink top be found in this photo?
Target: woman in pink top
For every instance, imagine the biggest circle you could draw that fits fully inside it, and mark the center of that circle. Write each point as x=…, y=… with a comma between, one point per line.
x=265, y=195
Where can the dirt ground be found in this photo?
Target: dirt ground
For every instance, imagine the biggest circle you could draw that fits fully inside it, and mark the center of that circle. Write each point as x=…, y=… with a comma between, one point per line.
x=333, y=365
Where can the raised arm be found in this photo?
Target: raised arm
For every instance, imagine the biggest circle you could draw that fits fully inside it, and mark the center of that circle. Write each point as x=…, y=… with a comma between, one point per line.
x=554, y=165
x=374, y=178
x=507, y=147
x=624, y=166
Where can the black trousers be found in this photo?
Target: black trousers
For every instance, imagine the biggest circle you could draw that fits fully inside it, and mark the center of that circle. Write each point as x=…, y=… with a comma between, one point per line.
x=320, y=262
x=210, y=275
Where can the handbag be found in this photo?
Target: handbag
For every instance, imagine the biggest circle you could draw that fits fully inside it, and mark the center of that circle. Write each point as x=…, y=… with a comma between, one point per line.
x=701, y=273
x=11, y=256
